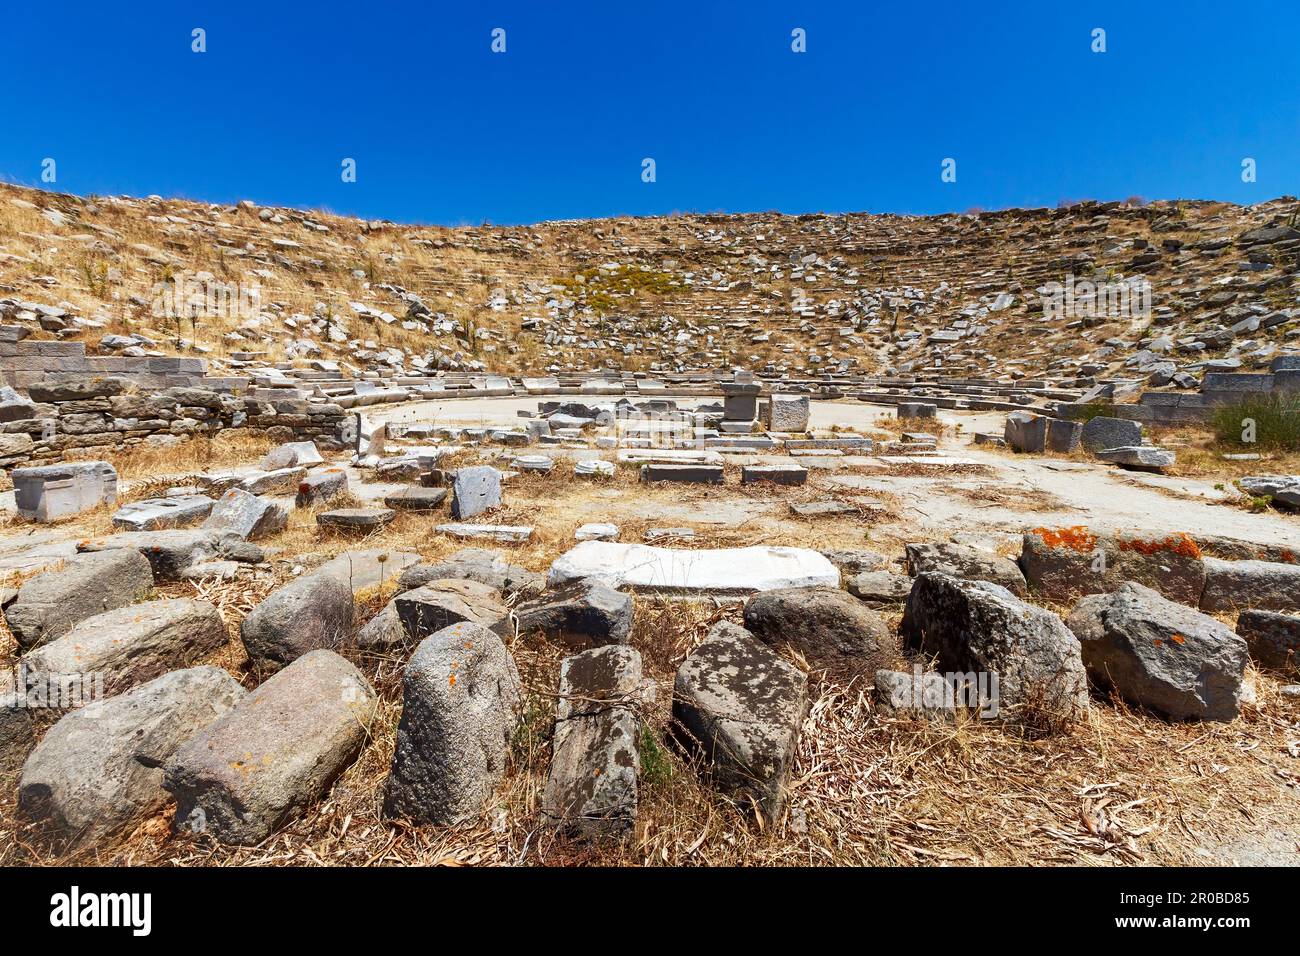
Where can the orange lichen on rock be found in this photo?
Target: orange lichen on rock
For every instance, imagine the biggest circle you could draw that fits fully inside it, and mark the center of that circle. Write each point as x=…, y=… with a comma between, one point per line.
x=1180, y=543
x=1077, y=538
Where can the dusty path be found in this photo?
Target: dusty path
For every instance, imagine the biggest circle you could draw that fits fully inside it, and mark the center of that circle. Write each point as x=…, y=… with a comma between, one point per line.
x=1021, y=491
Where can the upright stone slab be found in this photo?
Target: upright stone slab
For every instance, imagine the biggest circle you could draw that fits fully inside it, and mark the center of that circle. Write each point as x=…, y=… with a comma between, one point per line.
x=246, y=515
x=258, y=765
x=1063, y=435
x=475, y=490
x=982, y=627
x=742, y=706
x=789, y=413
x=740, y=401
x=307, y=614
x=591, y=788
x=917, y=410
x=51, y=492
x=1026, y=432
x=1102, y=432
x=49, y=604
x=99, y=768
x=460, y=707
x=132, y=645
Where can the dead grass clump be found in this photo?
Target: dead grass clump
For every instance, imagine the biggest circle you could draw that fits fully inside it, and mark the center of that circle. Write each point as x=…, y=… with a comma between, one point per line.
x=200, y=454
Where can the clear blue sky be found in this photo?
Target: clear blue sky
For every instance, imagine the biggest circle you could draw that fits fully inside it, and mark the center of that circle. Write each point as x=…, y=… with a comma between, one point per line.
x=445, y=131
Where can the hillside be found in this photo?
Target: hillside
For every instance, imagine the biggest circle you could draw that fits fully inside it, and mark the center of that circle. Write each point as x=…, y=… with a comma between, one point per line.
x=810, y=295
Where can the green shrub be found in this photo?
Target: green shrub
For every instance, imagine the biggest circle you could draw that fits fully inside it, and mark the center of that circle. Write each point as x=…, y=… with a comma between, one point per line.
x=1275, y=418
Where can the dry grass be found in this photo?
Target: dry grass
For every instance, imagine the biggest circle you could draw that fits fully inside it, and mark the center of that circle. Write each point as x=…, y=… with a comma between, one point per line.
x=1200, y=455
x=199, y=454
x=868, y=788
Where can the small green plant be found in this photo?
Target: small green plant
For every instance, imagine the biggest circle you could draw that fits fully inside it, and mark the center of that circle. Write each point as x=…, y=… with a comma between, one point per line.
x=656, y=768
x=95, y=273
x=1260, y=503
x=1092, y=410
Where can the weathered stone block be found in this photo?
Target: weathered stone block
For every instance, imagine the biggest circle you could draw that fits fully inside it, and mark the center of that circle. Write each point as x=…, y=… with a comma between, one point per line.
x=259, y=764
x=460, y=707
x=591, y=788
x=50, y=492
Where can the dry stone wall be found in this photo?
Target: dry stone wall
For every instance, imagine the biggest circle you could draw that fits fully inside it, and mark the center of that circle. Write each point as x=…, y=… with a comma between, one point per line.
x=59, y=404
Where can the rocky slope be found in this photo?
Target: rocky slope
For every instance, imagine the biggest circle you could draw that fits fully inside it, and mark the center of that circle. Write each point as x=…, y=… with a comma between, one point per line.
x=796, y=295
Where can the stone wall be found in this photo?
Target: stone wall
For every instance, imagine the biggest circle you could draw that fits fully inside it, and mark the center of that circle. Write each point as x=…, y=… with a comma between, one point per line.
x=73, y=416
x=24, y=362
x=1217, y=389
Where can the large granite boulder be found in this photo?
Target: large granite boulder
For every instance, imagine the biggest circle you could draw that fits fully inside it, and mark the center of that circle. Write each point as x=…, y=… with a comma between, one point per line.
x=132, y=645
x=1159, y=654
x=51, y=603
x=967, y=562
x=579, y=615
x=99, y=768
x=824, y=623
x=1257, y=585
x=307, y=614
x=282, y=747
x=1063, y=564
x=246, y=515
x=439, y=604
x=17, y=733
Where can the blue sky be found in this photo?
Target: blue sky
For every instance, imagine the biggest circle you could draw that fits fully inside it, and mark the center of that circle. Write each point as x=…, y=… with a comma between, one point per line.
x=445, y=131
